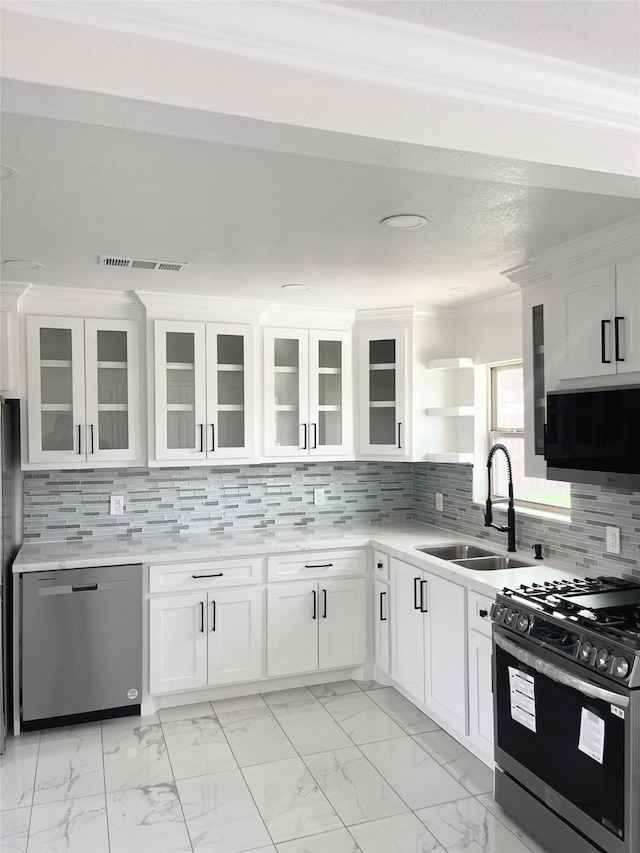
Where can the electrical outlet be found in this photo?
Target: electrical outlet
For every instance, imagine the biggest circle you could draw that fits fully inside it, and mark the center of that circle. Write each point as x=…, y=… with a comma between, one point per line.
x=318, y=497
x=439, y=504
x=613, y=540
x=116, y=505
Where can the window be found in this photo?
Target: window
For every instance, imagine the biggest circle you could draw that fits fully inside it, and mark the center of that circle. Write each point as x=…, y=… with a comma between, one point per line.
x=507, y=427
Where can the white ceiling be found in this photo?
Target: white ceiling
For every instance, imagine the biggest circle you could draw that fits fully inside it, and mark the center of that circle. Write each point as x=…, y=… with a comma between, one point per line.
x=251, y=217
x=601, y=33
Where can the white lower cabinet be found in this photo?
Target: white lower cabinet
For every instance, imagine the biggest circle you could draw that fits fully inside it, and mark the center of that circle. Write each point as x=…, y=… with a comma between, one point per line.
x=382, y=646
x=315, y=625
x=480, y=676
x=428, y=654
x=205, y=639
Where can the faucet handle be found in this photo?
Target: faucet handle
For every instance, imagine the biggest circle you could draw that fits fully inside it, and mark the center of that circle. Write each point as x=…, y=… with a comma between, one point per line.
x=538, y=549
x=488, y=514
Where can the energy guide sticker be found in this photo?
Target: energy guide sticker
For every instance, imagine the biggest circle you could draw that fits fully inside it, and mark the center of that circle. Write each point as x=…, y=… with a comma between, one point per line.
x=591, y=740
x=523, y=698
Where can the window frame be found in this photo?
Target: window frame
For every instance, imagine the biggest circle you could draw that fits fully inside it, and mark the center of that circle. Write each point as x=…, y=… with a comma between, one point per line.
x=494, y=435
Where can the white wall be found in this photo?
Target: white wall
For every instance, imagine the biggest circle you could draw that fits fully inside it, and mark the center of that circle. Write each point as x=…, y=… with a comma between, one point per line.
x=490, y=331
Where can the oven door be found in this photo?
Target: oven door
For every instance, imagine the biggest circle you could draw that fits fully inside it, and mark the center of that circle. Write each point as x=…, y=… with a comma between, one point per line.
x=564, y=738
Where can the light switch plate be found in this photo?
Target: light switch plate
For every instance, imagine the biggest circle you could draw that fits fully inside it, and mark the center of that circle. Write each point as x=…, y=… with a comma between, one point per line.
x=439, y=504
x=613, y=540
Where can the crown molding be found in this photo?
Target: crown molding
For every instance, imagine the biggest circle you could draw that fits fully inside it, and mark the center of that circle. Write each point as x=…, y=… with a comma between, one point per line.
x=74, y=302
x=13, y=290
x=492, y=305
x=200, y=308
x=308, y=317
x=606, y=245
x=331, y=40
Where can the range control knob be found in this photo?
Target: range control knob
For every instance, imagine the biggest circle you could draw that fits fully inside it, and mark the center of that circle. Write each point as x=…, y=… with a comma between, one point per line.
x=602, y=659
x=585, y=651
x=620, y=667
x=510, y=617
x=522, y=623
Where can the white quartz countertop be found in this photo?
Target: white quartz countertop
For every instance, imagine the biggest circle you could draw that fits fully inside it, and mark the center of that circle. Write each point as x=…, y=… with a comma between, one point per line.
x=398, y=540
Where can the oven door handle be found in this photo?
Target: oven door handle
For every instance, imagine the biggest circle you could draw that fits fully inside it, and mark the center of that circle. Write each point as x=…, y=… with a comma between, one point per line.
x=556, y=674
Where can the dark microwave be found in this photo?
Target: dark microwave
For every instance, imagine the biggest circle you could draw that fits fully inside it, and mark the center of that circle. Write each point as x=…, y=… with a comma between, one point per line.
x=593, y=436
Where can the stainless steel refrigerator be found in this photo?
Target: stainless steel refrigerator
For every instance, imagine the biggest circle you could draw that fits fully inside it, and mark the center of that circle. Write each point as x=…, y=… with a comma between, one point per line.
x=10, y=539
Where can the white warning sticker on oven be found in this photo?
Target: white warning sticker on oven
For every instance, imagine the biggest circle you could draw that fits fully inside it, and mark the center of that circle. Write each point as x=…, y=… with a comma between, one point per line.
x=591, y=740
x=523, y=698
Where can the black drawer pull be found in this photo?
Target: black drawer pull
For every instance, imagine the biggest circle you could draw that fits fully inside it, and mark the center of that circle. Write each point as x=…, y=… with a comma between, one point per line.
x=603, y=341
x=318, y=566
x=380, y=565
x=483, y=613
x=417, y=594
x=617, y=321
x=215, y=575
x=87, y=587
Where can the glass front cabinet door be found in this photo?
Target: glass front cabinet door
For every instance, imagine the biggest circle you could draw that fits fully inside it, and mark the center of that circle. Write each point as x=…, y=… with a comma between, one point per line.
x=307, y=386
x=383, y=425
x=204, y=391
x=84, y=402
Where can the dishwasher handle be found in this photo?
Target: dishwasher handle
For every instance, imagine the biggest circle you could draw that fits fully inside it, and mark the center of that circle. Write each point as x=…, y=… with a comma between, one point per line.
x=86, y=587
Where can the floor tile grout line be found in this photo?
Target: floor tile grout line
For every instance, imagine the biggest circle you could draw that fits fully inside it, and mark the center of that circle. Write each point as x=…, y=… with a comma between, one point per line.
x=104, y=779
x=499, y=819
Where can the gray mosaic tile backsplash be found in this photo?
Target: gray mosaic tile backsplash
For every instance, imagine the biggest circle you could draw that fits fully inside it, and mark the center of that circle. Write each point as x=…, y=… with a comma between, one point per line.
x=73, y=505
x=581, y=541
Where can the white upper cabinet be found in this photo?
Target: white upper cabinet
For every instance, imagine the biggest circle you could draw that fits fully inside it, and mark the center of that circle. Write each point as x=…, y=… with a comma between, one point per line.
x=204, y=391
x=84, y=400
x=598, y=331
x=384, y=418
x=307, y=393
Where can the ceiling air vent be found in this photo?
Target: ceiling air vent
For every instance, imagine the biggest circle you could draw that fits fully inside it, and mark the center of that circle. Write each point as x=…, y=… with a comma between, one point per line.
x=141, y=264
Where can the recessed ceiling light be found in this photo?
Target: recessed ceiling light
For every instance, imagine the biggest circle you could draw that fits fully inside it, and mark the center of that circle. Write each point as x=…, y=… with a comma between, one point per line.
x=459, y=289
x=24, y=265
x=8, y=172
x=297, y=288
x=404, y=220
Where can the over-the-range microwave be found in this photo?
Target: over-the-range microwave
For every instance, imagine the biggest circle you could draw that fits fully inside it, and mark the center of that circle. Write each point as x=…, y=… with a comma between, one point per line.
x=593, y=436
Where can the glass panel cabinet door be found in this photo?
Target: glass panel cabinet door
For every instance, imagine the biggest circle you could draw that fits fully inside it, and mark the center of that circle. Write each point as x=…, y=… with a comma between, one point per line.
x=114, y=410
x=55, y=379
x=286, y=421
x=382, y=381
x=230, y=391
x=330, y=411
x=180, y=389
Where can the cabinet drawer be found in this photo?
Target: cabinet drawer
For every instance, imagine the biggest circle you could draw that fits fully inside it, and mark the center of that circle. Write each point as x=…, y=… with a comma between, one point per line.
x=316, y=564
x=208, y=574
x=380, y=565
x=479, y=608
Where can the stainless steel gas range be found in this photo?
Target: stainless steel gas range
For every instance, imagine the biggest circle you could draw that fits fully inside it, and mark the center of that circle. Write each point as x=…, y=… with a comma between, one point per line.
x=566, y=696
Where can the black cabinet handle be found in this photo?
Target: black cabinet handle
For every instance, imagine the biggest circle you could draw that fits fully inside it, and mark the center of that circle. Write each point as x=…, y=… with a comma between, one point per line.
x=603, y=341
x=616, y=327
x=214, y=575
x=202, y=617
x=318, y=566
x=483, y=613
x=416, y=594
x=213, y=616
x=315, y=436
x=213, y=437
x=399, y=428
x=91, y=431
x=315, y=605
x=324, y=603
x=380, y=565
x=304, y=428
x=382, y=617
x=79, y=438
x=423, y=597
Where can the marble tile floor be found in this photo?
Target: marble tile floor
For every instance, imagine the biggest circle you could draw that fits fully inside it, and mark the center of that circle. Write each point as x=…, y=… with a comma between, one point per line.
x=349, y=767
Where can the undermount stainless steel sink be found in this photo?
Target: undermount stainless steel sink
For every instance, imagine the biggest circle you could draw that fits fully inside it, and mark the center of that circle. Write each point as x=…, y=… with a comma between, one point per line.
x=455, y=551
x=492, y=564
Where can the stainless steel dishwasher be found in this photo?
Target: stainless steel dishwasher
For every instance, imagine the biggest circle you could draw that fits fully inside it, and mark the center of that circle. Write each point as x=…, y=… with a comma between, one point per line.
x=81, y=644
